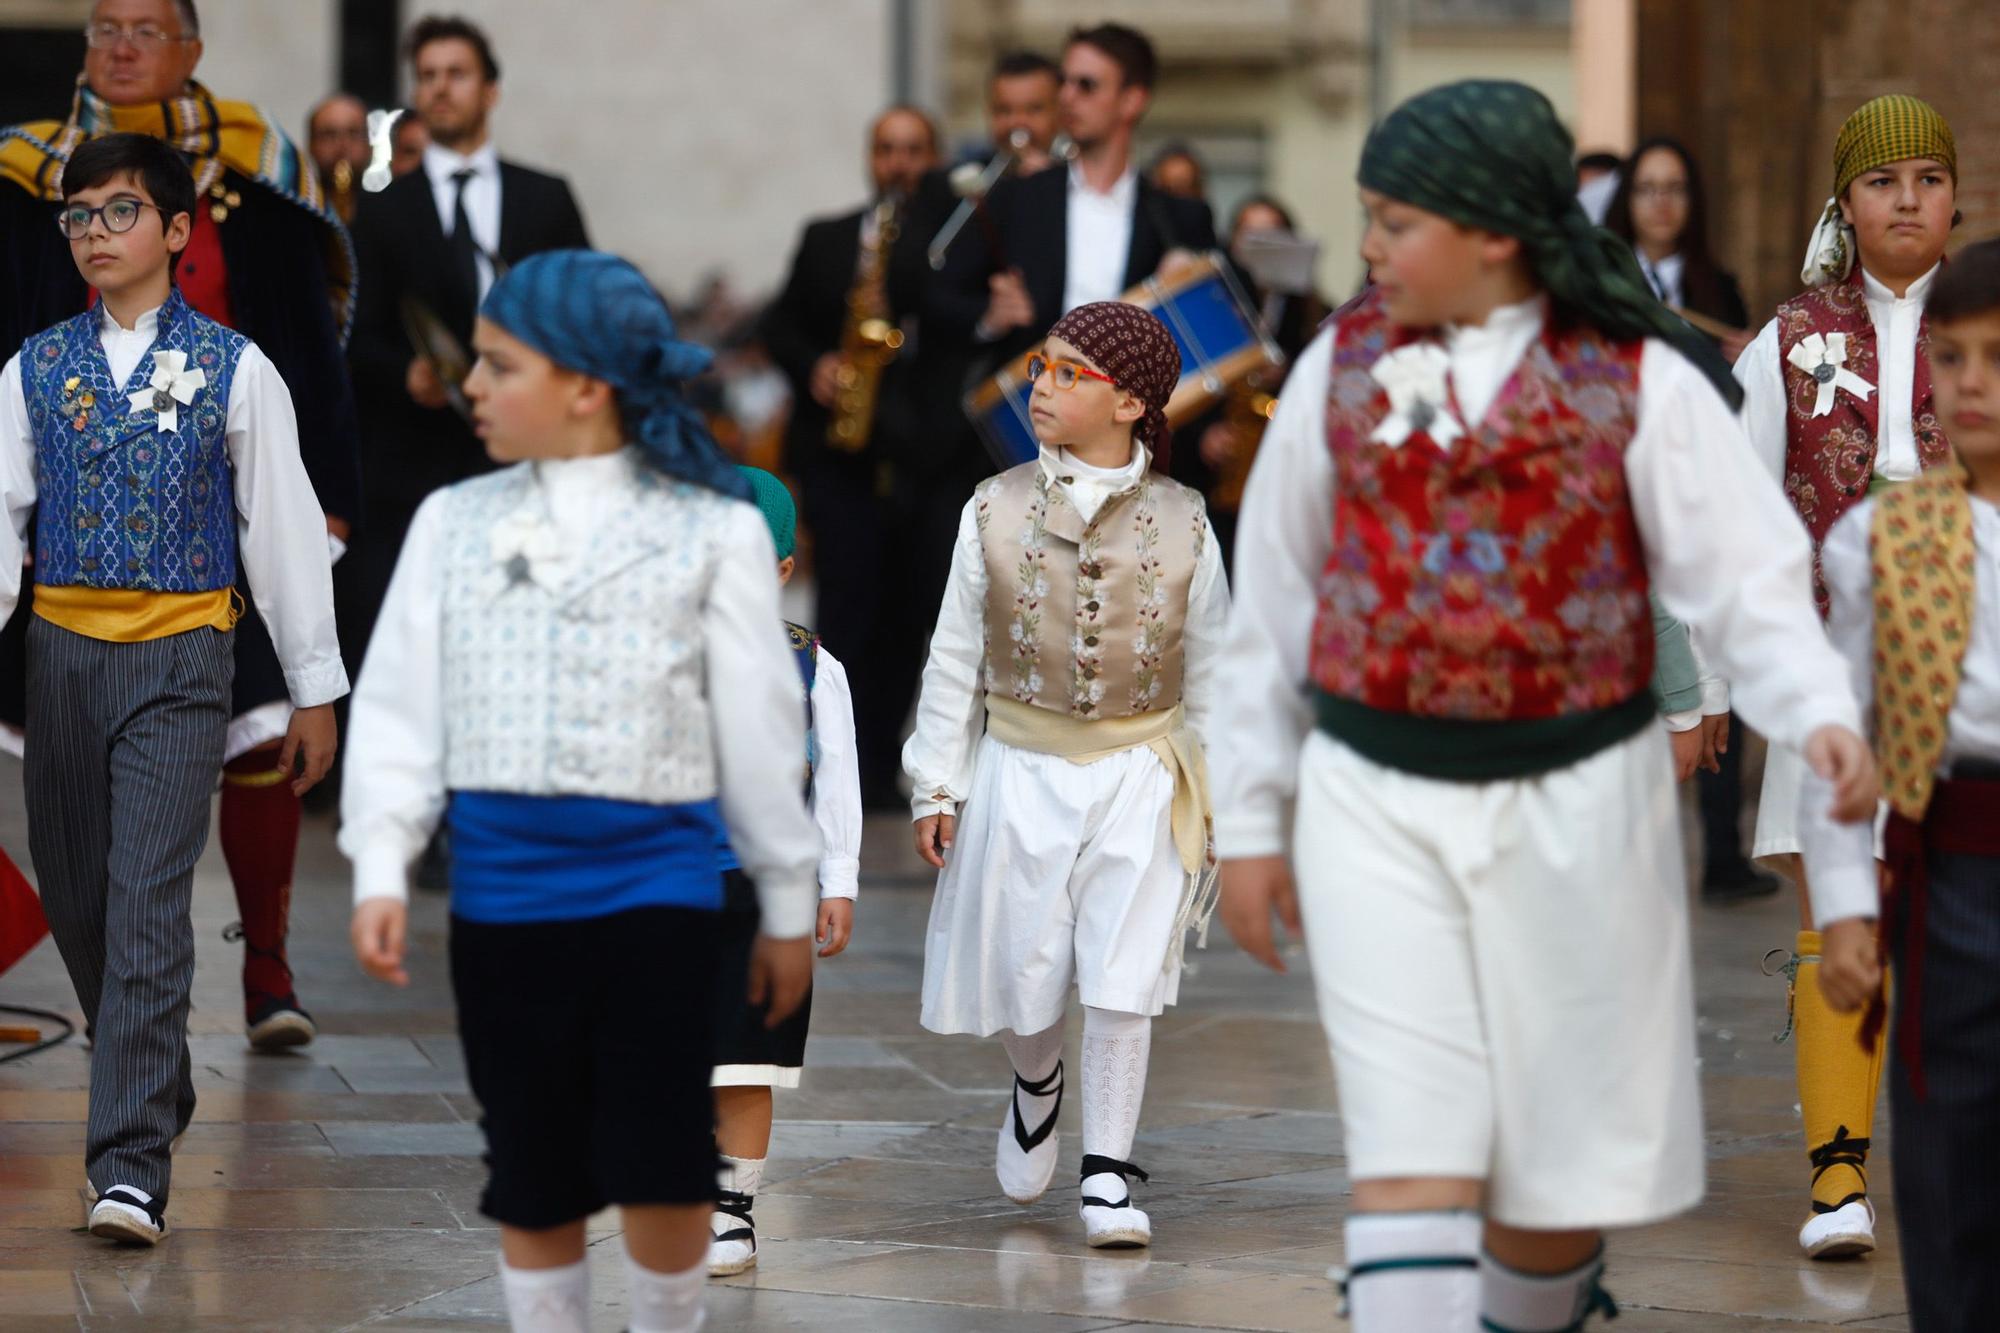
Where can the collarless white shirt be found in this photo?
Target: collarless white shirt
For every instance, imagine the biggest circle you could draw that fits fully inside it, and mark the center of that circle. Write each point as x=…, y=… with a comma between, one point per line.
x=1483, y=356
x=1761, y=372
x=1097, y=239
x=482, y=199
x=280, y=530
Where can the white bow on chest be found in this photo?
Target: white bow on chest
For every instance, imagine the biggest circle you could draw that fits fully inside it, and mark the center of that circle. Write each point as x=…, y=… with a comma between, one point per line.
x=1415, y=378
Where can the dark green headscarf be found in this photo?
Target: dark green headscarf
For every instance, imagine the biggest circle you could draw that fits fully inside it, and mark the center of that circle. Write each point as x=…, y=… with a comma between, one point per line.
x=1491, y=154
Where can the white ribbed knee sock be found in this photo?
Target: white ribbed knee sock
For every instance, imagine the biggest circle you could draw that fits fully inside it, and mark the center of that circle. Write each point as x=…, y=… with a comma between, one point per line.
x=1116, y=1050
x=547, y=1300
x=664, y=1302
x=1411, y=1271
x=1518, y=1302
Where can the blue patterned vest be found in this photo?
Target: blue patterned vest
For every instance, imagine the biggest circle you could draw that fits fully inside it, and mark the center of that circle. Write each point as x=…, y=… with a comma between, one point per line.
x=122, y=503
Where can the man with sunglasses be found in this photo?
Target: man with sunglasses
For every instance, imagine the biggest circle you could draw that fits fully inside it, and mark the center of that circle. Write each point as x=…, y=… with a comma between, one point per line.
x=1078, y=232
x=266, y=257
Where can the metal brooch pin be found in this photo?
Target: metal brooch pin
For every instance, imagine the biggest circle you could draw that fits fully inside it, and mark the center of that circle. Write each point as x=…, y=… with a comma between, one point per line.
x=1824, y=372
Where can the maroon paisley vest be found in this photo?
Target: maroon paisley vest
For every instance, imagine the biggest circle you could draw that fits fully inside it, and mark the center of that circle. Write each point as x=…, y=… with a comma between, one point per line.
x=1830, y=460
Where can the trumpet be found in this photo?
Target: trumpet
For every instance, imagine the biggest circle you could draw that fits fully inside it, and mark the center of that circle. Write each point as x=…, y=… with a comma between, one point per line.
x=973, y=190
x=869, y=340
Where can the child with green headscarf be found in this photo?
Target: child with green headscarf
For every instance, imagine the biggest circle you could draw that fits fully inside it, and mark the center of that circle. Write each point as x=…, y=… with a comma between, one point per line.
x=1837, y=402
x=1439, y=658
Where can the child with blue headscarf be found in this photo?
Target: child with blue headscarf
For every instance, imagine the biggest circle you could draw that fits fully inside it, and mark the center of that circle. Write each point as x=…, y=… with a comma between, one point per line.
x=542, y=678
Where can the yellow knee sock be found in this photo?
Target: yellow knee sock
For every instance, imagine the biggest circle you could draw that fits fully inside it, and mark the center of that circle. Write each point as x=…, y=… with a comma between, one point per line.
x=1837, y=1084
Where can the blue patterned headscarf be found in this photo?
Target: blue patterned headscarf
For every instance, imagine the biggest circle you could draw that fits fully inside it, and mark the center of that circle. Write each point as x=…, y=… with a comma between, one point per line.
x=595, y=313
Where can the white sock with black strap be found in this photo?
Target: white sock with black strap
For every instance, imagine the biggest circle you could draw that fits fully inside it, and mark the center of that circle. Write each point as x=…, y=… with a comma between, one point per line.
x=1512, y=1301
x=547, y=1300
x=1025, y=1159
x=1409, y=1271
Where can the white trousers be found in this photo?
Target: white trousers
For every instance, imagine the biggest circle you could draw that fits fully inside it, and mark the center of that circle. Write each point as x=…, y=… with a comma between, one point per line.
x=1060, y=872
x=1502, y=969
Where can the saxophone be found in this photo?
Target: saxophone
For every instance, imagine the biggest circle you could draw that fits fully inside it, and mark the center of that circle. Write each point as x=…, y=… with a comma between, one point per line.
x=869, y=340
x=1247, y=411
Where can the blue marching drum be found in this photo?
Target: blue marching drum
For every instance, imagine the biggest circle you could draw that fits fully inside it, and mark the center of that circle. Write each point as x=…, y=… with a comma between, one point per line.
x=1221, y=341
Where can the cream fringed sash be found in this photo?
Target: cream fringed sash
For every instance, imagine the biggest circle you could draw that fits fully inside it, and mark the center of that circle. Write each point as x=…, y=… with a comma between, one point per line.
x=1166, y=734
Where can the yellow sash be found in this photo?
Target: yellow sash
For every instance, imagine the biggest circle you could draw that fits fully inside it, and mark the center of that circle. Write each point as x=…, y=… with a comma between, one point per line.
x=128, y=615
x=1921, y=549
x=1165, y=733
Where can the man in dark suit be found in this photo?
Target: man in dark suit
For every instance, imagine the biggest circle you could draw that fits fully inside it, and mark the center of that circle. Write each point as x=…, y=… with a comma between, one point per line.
x=430, y=245
x=1087, y=231
x=850, y=497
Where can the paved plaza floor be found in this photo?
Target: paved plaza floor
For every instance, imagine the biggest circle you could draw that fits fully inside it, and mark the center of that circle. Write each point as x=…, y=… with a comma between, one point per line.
x=337, y=1187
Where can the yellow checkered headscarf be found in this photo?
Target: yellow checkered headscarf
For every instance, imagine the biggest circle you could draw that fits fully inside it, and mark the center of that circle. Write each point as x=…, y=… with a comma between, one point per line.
x=1891, y=128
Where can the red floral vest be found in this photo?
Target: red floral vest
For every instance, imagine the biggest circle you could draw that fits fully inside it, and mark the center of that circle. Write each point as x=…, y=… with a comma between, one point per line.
x=1830, y=460
x=1502, y=579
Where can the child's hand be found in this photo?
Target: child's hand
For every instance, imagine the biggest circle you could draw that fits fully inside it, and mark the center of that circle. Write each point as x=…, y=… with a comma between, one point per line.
x=377, y=932
x=1714, y=741
x=1850, y=963
x=781, y=973
x=934, y=834
x=836, y=923
x=312, y=737
x=1253, y=887
x=1687, y=752
x=1842, y=758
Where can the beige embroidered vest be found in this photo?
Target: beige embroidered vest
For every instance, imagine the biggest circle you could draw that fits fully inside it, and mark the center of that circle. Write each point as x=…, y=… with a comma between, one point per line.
x=1086, y=618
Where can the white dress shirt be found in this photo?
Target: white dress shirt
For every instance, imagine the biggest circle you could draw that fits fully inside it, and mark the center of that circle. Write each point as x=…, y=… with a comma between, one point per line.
x=1840, y=858
x=1664, y=276
x=1700, y=504
x=951, y=713
x=395, y=790
x=1761, y=372
x=280, y=528
x=482, y=200
x=1097, y=239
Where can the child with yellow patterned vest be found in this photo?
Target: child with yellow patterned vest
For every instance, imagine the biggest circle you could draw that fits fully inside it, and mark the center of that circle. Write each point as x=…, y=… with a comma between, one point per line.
x=1079, y=629
x=1914, y=590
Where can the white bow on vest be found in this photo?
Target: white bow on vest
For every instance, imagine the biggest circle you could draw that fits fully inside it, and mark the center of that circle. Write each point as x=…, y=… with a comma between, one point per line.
x=1414, y=378
x=1824, y=358
x=172, y=387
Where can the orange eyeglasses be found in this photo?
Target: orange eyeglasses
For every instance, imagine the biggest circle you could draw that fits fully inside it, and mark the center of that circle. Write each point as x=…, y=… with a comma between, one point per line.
x=1064, y=373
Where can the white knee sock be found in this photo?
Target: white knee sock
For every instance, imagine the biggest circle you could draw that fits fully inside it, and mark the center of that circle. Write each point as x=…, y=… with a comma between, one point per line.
x=1116, y=1049
x=664, y=1302
x=1517, y=1302
x=1410, y=1271
x=547, y=1300
x=741, y=1175
x=1034, y=1058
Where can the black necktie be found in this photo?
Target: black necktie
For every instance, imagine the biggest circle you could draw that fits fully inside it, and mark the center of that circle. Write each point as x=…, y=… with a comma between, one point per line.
x=464, y=249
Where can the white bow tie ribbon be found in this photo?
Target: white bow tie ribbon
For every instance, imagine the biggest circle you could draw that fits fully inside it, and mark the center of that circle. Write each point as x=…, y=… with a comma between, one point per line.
x=172, y=387
x=528, y=548
x=1823, y=358
x=1414, y=379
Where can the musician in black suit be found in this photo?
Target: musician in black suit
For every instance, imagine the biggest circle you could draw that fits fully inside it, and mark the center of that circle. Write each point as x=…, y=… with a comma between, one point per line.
x=849, y=497
x=434, y=240
x=1081, y=232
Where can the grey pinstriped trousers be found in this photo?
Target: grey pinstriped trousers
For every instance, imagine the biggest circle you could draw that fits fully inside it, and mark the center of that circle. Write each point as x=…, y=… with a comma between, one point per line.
x=124, y=750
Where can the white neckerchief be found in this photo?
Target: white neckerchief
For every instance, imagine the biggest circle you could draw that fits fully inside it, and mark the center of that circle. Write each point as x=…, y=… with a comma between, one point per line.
x=1086, y=486
x=1484, y=355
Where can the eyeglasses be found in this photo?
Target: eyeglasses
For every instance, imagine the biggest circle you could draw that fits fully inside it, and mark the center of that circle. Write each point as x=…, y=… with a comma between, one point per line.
x=1666, y=193
x=120, y=216
x=143, y=36
x=1063, y=373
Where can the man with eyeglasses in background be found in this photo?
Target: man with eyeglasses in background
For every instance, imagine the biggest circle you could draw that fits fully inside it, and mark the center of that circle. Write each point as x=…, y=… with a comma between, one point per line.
x=269, y=258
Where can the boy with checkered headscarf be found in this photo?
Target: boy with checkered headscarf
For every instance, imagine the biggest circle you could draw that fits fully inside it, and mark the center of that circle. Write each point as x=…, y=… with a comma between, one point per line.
x=1079, y=632
x=1438, y=706
x=1837, y=401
